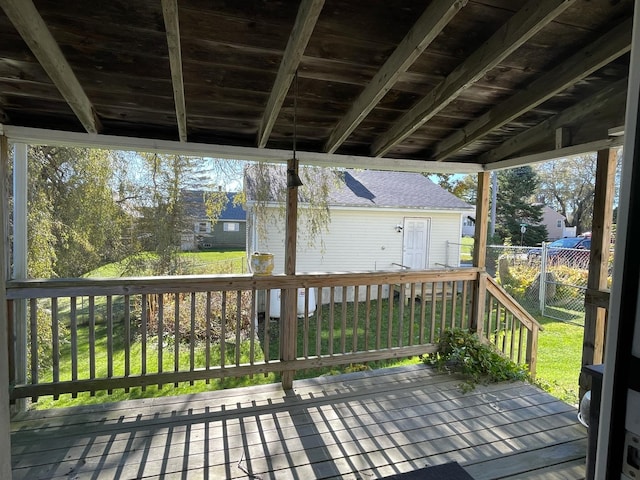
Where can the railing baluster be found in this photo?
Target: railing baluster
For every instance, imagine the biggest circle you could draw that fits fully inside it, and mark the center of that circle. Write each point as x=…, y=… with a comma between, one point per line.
x=332, y=305
x=109, y=339
x=463, y=310
x=343, y=323
x=266, y=328
x=160, y=298
x=521, y=330
x=379, y=319
x=513, y=336
x=73, y=326
x=367, y=315
x=434, y=308
x=454, y=298
x=56, y=343
x=192, y=336
x=223, y=329
x=305, y=323
x=423, y=310
x=143, y=336
x=390, y=318
x=443, y=311
x=207, y=340
x=252, y=329
x=92, y=340
x=356, y=320
x=319, y=323
x=489, y=315
x=412, y=312
x=176, y=335
x=238, y=324
x=127, y=338
x=33, y=318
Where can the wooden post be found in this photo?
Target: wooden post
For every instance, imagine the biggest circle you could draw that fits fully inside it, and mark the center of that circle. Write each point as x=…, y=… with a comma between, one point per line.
x=19, y=270
x=595, y=317
x=288, y=312
x=5, y=416
x=532, y=349
x=480, y=252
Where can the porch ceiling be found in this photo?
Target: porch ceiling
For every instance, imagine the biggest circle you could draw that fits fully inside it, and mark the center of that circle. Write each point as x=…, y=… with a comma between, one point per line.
x=474, y=82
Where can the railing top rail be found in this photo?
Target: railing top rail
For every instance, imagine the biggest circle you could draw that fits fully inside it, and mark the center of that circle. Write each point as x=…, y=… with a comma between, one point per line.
x=40, y=288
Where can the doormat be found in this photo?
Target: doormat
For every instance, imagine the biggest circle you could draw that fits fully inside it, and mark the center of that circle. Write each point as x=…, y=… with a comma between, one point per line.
x=446, y=471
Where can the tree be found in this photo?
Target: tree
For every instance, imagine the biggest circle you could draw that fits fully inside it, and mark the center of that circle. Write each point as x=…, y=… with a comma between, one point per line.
x=515, y=207
x=74, y=223
x=568, y=186
x=464, y=187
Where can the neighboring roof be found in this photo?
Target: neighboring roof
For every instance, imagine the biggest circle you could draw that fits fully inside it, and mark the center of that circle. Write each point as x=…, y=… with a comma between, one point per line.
x=547, y=210
x=194, y=206
x=368, y=188
x=473, y=81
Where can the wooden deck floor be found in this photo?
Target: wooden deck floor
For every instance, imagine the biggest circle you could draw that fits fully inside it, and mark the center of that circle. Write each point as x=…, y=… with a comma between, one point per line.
x=357, y=426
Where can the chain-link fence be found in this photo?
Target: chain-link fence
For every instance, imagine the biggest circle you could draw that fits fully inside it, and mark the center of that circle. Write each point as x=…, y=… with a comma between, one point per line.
x=548, y=280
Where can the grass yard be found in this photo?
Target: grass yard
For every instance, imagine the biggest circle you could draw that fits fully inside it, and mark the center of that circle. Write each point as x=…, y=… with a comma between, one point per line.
x=227, y=261
x=560, y=358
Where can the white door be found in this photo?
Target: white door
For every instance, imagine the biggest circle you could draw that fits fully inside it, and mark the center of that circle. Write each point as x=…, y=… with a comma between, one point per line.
x=415, y=246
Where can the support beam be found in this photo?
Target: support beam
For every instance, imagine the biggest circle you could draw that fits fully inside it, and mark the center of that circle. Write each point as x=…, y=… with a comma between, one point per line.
x=36, y=136
x=308, y=14
x=528, y=21
x=480, y=252
x=172, y=26
x=289, y=298
x=424, y=31
x=26, y=19
x=595, y=317
x=5, y=428
x=604, y=50
x=615, y=92
x=20, y=255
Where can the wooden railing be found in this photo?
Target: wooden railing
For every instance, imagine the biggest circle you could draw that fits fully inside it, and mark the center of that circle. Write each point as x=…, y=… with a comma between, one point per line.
x=90, y=335
x=510, y=327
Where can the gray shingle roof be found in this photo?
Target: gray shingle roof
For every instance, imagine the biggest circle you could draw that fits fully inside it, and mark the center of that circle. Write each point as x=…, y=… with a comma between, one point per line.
x=371, y=188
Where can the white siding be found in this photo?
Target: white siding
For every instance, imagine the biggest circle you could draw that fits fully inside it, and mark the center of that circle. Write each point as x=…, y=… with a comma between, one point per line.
x=365, y=239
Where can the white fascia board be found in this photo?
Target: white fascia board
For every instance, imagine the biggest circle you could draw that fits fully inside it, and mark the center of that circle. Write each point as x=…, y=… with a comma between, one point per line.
x=37, y=136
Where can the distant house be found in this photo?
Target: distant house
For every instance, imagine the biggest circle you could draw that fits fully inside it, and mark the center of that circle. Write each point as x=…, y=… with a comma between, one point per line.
x=228, y=232
x=380, y=220
x=556, y=224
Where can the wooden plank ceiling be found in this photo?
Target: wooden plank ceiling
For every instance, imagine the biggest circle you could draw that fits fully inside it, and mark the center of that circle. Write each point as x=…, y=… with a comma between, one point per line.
x=471, y=81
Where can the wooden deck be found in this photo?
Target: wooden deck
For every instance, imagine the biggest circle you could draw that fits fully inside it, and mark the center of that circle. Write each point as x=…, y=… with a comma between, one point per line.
x=357, y=426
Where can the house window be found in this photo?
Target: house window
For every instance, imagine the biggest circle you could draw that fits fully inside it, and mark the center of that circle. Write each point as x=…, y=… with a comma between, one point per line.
x=202, y=227
x=559, y=224
x=231, y=227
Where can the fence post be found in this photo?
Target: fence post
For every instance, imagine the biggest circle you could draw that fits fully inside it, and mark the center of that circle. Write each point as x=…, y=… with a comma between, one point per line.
x=542, y=288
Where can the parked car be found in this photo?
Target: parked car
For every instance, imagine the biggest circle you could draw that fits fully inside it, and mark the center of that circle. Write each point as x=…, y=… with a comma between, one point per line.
x=571, y=251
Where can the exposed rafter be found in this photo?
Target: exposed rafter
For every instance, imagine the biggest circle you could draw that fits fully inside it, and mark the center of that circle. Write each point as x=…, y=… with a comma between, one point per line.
x=604, y=50
x=546, y=129
x=521, y=27
x=425, y=30
x=172, y=26
x=306, y=19
x=28, y=22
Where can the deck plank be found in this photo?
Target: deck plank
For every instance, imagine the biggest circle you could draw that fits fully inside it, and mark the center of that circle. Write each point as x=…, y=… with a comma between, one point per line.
x=357, y=426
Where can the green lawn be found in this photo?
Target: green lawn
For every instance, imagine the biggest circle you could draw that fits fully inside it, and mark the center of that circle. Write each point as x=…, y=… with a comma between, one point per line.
x=560, y=358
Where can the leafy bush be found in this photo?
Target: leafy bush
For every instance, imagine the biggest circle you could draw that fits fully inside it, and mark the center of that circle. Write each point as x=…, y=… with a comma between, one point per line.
x=460, y=351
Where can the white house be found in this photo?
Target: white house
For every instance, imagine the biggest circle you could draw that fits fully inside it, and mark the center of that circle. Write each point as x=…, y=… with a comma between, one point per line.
x=556, y=224
x=380, y=220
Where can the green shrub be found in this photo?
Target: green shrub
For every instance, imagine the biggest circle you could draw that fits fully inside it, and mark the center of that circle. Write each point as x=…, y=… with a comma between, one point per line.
x=460, y=351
